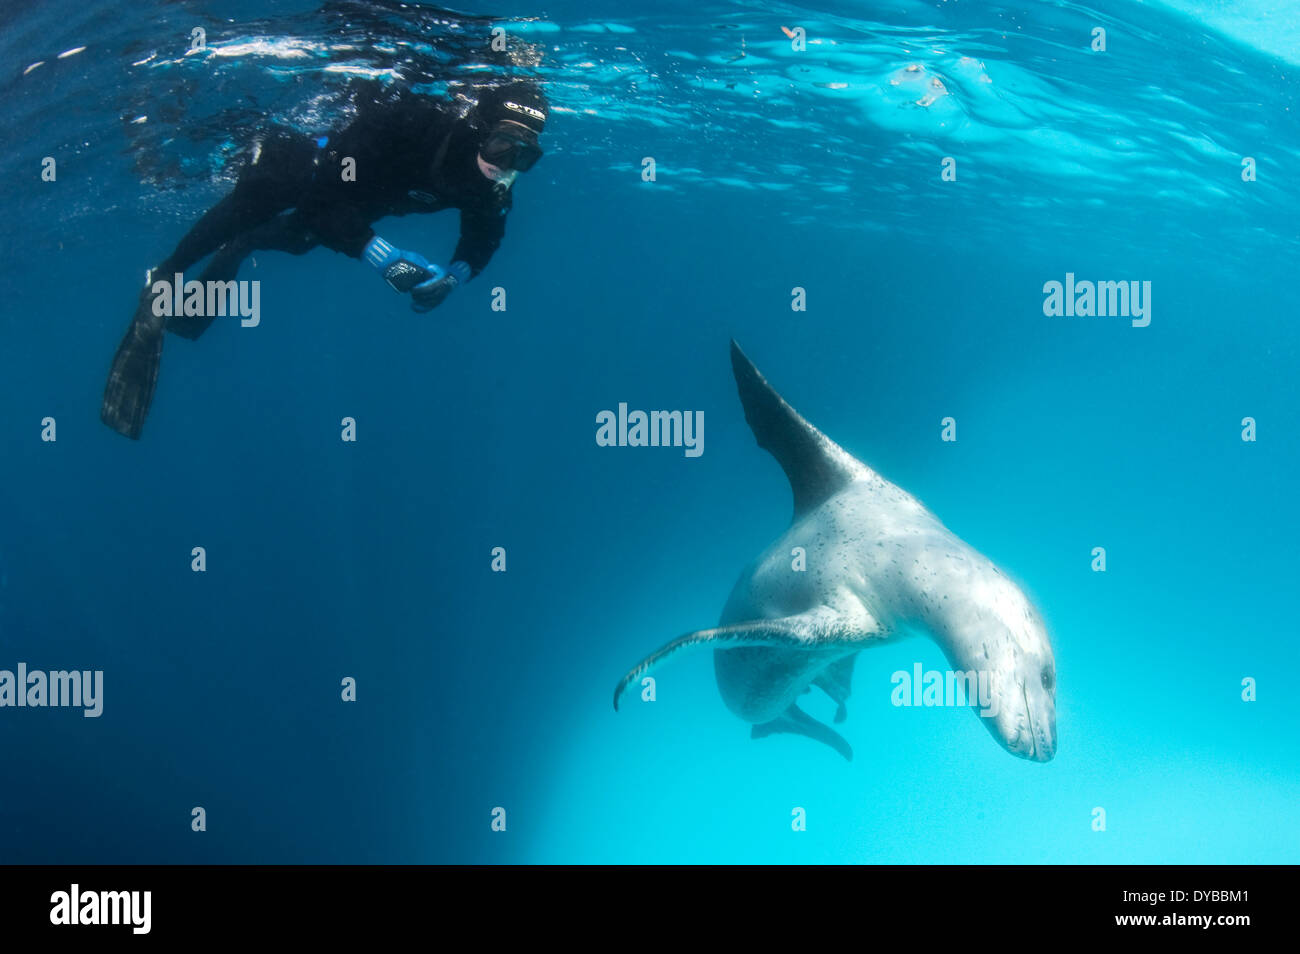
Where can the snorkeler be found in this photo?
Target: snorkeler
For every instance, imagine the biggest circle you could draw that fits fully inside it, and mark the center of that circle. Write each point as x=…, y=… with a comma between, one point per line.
x=408, y=154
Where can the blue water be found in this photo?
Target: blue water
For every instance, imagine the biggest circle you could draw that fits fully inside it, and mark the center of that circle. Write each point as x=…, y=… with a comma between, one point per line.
x=479, y=690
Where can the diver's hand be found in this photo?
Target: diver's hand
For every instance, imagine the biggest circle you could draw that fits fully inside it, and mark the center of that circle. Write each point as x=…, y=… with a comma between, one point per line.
x=430, y=294
x=402, y=270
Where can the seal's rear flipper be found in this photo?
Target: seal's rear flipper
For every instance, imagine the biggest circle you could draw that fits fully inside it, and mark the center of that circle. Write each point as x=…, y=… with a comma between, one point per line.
x=835, y=681
x=798, y=722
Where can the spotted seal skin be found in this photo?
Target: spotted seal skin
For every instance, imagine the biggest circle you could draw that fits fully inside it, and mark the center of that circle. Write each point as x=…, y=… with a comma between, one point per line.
x=878, y=566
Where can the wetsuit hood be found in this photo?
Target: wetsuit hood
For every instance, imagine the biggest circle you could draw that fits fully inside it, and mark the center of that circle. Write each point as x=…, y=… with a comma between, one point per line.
x=521, y=103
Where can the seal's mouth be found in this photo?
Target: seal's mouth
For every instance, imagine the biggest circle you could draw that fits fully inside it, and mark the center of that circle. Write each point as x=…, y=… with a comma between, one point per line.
x=1041, y=735
x=1029, y=717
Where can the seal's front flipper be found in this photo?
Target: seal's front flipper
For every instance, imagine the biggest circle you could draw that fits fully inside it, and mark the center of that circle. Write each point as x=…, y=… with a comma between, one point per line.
x=798, y=722
x=835, y=681
x=134, y=373
x=816, y=629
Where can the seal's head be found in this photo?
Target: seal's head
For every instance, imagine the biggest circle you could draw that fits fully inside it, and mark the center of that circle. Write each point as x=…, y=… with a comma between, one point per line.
x=1024, y=697
x=1001, y=636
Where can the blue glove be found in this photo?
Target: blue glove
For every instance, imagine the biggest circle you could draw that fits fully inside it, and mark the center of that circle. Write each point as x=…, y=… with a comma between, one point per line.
x=430, y=294
x=402, y=270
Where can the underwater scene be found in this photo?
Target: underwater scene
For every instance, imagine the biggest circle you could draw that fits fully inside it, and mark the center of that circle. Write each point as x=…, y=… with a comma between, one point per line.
x=624, y=433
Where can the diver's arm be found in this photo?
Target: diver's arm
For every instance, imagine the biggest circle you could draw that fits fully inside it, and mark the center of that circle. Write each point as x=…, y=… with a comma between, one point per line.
x=344, y=228
x=481, y=231
x=432, y=293
x=404, y=271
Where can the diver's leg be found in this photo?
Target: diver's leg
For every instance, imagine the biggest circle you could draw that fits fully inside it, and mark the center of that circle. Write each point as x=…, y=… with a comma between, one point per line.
x=274, y=182
x=219, y=225
x=282, y=234
x=134, y=372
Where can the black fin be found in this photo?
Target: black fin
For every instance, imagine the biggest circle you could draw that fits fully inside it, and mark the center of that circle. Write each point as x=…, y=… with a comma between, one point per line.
x=816, y=466
x=134, y=373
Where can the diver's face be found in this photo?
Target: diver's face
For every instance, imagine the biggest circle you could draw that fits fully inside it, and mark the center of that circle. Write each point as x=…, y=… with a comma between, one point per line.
x=508, y=149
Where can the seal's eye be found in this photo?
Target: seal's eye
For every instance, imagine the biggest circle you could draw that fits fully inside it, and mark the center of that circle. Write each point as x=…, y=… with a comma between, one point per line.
x=1049, y=679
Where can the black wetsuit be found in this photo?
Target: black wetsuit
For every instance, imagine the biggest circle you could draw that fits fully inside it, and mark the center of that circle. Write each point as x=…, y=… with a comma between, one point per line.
x=412, y=154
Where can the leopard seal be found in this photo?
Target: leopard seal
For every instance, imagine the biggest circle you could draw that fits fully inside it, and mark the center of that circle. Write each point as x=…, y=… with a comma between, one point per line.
x=879, y=566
